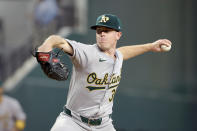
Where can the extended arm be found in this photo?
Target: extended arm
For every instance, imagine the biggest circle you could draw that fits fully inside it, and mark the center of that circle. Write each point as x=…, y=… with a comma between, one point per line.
x=135, y=50
x=55, y=41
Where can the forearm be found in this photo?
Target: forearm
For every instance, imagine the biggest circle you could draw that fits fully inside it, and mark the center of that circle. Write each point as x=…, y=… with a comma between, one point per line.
x=55, y=41
x=135, y=50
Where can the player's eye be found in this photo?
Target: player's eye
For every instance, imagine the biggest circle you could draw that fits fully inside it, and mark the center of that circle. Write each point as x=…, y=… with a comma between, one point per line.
x=99, y=31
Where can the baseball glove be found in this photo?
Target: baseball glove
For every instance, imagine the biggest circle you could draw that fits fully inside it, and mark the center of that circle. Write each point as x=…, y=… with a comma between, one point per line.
x=51, y=65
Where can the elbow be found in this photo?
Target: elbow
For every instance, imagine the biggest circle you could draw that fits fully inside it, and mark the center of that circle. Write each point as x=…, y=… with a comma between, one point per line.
x=53, y=36
x=54, y=40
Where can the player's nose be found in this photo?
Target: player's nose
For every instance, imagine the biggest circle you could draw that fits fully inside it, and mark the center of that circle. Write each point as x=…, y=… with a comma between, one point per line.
x=102, y=33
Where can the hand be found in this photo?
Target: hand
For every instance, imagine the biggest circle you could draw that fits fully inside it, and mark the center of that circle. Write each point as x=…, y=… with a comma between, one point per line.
x=156, y=46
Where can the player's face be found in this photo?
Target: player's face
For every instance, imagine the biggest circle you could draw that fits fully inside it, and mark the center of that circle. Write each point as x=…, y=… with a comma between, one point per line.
x=107, y=38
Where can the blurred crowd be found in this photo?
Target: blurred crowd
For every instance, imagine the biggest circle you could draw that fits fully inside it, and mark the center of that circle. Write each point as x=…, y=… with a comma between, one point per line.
x=47, y=17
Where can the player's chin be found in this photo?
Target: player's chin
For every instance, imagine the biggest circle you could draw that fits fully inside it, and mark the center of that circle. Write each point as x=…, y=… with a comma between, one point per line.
x=103, y=47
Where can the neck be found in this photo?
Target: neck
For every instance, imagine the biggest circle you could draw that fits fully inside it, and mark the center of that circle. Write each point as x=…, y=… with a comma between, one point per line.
x=108, y=51
x=111, y=52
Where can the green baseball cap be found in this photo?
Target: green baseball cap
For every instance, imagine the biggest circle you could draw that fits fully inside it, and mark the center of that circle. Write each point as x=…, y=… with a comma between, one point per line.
x=108, y=20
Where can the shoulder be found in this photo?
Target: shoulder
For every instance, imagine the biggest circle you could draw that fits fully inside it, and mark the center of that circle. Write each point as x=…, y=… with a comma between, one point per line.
x=76, y=43
x=10, y=100
x=80, y=46
x=6, y=97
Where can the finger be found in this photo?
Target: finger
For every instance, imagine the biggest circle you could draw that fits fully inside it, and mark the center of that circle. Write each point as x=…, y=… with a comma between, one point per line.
x=165, y=42
x=168, y=41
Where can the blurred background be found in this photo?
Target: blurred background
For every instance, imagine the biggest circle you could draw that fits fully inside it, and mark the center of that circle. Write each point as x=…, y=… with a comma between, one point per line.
x=158, y=91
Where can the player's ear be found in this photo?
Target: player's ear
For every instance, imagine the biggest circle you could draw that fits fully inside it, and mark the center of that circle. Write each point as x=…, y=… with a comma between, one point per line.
x=119, y=34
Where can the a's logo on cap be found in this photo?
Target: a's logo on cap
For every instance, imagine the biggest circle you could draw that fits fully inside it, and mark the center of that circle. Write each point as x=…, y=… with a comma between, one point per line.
x=104, y=19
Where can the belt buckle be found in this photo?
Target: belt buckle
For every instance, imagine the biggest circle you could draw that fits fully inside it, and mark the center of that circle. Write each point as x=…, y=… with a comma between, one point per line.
x=89, y=121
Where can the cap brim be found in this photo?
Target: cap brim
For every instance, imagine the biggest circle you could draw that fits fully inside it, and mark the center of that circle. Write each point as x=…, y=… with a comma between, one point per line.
x=95, y=26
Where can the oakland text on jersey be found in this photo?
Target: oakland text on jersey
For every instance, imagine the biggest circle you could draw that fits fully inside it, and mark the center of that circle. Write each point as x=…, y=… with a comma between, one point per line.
x=102, y=82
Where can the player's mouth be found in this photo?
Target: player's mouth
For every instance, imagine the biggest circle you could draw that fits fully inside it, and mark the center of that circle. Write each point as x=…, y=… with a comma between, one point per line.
x=102, y=40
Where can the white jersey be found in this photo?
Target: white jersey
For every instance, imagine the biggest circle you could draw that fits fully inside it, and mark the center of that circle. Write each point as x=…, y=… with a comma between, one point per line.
x=95, y=78
x=10, y=110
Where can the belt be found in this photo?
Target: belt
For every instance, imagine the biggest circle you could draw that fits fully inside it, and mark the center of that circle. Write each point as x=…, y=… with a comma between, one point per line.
x=93, y=122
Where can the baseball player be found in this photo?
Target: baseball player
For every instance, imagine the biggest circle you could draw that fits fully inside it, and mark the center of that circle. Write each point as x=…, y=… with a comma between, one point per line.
x=96, y=75
x=12, y=117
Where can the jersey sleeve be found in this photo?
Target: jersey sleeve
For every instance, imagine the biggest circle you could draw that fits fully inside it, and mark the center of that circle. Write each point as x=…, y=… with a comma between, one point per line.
x=120, y=56
x=17, y=110
x=80, y=55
